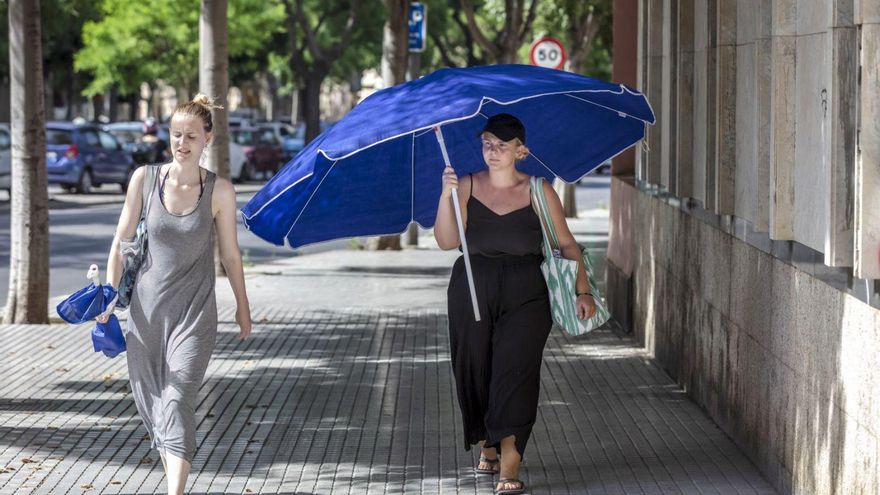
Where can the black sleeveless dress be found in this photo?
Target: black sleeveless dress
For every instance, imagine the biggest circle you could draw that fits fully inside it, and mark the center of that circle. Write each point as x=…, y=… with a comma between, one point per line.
x=497, y=361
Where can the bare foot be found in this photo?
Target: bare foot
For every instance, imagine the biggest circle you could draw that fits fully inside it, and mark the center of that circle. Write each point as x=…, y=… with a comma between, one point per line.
x=510, y=461
x=509, y=486
x=488, y=461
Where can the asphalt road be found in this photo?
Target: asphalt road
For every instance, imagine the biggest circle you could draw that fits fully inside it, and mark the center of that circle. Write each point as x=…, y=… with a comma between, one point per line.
x=81, y=227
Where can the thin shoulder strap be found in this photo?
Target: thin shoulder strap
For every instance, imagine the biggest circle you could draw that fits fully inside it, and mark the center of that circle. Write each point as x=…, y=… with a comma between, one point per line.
x=472, y=183
x=150, y=174
x=210, y=180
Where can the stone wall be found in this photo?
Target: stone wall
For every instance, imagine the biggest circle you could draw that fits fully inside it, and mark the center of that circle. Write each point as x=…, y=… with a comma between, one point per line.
x=769, y=110
x=785, y=364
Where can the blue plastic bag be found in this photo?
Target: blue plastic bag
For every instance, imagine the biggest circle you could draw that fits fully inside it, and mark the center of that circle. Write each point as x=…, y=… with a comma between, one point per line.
x=85, y=304
x=108, y=338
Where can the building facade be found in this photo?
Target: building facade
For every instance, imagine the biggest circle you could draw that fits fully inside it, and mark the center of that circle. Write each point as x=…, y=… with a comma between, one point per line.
x=745, y=232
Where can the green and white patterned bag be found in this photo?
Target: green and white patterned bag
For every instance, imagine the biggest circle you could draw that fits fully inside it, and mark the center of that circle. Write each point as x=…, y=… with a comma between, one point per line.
x=561, y=274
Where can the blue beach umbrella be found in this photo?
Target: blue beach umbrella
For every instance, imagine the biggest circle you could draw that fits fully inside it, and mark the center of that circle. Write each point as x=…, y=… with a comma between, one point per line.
x=380, y=167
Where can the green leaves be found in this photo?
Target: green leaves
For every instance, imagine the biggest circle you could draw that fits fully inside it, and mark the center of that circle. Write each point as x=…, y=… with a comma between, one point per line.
x=137, y=42
x=144, y=41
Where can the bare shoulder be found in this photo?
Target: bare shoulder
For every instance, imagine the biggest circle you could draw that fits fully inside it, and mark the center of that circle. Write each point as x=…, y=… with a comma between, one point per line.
x=465, y=183
x=135, y=186
x=224, y=193
x=137, y=178
x=223, y=185
x=478, y=175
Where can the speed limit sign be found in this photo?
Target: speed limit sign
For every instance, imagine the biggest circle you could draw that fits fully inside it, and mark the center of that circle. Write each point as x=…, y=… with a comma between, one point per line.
x=547, y=52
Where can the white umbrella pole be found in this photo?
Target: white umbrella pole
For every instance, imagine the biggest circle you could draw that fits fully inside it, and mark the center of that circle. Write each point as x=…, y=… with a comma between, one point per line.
x=457, y=206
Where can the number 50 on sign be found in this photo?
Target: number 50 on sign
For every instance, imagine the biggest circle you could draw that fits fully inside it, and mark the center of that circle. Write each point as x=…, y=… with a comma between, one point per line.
x=547, y=52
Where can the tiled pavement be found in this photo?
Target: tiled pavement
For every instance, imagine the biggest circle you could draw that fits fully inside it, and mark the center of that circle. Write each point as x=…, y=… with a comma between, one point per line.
x=361, y=400
x=352, y=401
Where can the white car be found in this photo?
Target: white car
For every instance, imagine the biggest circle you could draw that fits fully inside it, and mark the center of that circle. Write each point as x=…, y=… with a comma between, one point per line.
x=5, y=158
x=236, y=160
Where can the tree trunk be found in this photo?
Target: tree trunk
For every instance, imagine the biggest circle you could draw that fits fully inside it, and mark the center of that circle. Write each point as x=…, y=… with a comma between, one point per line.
x=71, y=95
x=312, y=104
x=566, y=195
x=214, y=82
x=395, y=48
x=395, y=42
x=28, y=297
x=97, y=107
x=274, y=98
x=113, y=112
x=508, y=56
x=134, y=101
x=299, y=106
x=48, y=93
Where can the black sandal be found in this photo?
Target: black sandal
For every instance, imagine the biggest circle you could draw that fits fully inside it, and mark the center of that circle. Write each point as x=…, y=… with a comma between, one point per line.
x=510, y=491
x=493, y=462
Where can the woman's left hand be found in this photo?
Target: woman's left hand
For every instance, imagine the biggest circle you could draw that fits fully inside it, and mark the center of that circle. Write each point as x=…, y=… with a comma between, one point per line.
x=586, y=307
x=243, y=318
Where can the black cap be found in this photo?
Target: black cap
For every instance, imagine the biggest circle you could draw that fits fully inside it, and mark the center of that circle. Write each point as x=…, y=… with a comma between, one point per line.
x=506, y=127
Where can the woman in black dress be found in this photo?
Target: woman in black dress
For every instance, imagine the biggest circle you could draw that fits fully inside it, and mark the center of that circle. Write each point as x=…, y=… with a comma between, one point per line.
x=497, y=361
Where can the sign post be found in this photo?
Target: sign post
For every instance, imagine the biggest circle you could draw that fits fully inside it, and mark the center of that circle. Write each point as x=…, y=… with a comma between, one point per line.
x=547, y=51
x=418, y=24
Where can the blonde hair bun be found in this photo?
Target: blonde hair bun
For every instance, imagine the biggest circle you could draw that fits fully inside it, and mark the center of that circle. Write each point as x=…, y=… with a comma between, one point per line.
x=200, y=106
x=206, y=101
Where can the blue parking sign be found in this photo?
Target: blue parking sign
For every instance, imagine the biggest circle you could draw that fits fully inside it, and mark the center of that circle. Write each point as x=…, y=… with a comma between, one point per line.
x=417, y=26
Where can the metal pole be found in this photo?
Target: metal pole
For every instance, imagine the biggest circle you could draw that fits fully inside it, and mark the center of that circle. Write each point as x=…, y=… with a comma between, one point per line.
x=413, y=72
x=457, y=206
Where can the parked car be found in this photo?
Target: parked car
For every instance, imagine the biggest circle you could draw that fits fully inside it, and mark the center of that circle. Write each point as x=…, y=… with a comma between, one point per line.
x=131, y=134
x=286, y=134
x=298, y=140
x=82, y=156
x=5, y=158
x=262, y=151
x=165, y=133
x=239, y=121
x=237, y=159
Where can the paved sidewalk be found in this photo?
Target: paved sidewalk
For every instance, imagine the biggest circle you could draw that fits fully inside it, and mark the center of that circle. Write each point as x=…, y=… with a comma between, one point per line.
x=107, y=194
x=346, y=388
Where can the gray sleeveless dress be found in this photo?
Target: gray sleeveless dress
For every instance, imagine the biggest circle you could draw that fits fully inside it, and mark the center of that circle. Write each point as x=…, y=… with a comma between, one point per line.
x=172, y=325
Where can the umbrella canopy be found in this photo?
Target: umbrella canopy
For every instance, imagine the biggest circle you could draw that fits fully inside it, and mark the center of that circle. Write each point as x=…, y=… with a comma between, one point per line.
x=88, y=302
x=380, y=167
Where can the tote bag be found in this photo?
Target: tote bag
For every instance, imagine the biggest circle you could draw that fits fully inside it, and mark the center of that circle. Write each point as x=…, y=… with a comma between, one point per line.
x=561, y=274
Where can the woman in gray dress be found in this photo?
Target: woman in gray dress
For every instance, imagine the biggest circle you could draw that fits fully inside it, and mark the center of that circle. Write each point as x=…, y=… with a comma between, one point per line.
x=172, y=324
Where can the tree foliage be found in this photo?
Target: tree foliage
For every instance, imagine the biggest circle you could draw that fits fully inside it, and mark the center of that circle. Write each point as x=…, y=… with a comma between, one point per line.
x=61, y=27
x=143, y=41
x=504, y=30
x=584, y=26
x=330, y=38
x=451, y=43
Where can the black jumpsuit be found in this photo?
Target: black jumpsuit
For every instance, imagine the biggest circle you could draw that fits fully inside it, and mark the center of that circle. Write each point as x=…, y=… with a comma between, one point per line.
x=497, y=361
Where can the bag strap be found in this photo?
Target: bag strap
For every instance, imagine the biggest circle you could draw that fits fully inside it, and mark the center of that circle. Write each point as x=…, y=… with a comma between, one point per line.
x=152, y=172
x=547, y=227
x=544, y=211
